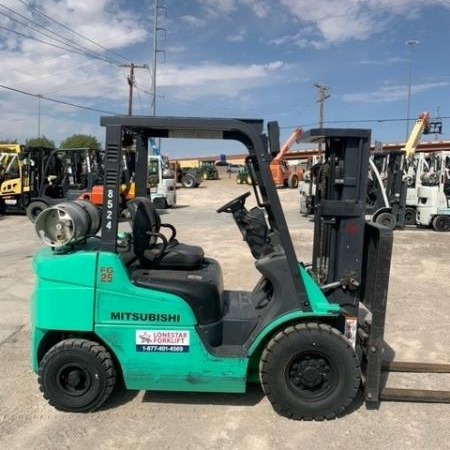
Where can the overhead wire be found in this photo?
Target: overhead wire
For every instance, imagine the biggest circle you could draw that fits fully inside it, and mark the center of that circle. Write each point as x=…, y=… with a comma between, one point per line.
x=43, y=14
x=59, y=38
x=43, y=97
x=47, y=43
x=358, y=121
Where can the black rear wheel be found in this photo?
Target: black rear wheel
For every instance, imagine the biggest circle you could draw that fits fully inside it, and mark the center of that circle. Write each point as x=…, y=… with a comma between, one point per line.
x=34, y=209
x=410, y=216
x=76, y=375
x=160, y=203
x=441, y=223
x=310, y=371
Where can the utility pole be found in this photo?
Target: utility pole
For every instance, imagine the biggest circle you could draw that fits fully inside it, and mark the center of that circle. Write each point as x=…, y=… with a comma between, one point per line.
x=323, y=95
x=410, y=44
x=155, y=52
x=39, y=96
x=131, y=81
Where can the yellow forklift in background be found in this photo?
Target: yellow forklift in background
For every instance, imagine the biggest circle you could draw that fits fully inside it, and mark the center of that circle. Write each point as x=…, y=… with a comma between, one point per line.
x=21, y=171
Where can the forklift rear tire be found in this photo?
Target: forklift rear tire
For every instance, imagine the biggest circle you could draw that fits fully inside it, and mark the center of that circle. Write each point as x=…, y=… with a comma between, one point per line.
x=441, y=223
x=238, y=180
x=310, y=372
x=34, y=209
x=293, y=182
x=410, y=216
x=386, y=219
x=76, y=375
x=249, y=180
x=160, y=203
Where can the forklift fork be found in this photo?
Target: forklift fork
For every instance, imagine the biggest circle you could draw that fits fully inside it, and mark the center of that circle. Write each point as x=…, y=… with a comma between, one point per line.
x=375, y=276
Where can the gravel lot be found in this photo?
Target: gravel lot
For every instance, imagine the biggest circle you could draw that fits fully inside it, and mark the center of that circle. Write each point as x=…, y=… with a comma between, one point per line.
x=417, y=329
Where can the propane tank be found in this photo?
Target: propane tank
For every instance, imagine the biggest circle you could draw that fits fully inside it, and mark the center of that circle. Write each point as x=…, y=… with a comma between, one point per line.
x=67, y=223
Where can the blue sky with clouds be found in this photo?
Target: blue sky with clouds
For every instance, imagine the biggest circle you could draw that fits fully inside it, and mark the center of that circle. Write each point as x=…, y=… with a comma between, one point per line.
x=225, y=58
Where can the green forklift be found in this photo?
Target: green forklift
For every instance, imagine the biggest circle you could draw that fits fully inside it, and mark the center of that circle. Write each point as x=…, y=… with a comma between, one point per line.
x=146, y=309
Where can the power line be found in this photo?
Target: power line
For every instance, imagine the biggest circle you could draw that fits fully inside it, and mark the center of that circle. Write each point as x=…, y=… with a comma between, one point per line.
x=63, y=40
x=39, y=11
x=62, y=102
x=358, y=121
x=49, y=43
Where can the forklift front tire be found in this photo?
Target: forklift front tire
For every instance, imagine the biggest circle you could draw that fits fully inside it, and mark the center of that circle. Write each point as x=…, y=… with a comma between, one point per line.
x=34, y=209
x=76, y=375
x=310, y=372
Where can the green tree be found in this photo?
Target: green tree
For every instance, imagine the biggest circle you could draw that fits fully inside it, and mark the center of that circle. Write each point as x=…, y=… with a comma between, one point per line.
x=40, y=142
x=80, y=141
x=8, y=141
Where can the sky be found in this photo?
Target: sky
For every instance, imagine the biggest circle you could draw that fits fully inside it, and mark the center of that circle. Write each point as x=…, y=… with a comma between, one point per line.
x=224, y=58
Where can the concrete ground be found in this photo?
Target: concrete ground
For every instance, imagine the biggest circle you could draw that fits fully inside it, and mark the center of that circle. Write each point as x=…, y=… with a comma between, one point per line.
x=417, y=329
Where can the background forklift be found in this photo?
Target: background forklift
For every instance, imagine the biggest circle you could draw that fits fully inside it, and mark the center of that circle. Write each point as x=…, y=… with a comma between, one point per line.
x=433, y=207
x=154, y=311
x=21, y=172
x=67, y=175
x=396, y=178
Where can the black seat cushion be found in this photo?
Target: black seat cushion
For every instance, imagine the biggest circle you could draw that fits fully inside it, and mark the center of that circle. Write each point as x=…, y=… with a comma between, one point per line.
x=147, y=245
x=201, y=289
x=179, y=256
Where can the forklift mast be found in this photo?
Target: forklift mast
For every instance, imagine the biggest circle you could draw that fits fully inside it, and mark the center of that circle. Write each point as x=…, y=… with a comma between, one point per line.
x=340, y=213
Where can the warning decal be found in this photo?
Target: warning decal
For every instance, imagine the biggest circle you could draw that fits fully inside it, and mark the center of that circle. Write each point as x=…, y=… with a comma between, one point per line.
x=174, y=341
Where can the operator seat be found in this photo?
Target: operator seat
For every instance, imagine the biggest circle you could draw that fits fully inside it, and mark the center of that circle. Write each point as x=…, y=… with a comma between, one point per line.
x=152, y=248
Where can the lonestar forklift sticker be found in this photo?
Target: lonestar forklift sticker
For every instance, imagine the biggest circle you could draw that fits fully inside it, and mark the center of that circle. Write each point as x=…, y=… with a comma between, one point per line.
x=162, y=341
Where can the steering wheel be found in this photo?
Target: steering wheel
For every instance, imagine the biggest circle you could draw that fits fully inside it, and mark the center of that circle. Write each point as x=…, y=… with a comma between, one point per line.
x=234, y=204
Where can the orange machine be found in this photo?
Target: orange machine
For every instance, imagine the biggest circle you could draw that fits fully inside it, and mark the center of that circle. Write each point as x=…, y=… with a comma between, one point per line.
x=95, y=195
x=283, y=174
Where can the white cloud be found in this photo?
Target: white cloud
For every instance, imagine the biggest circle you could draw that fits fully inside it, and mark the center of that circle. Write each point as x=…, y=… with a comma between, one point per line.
x=37, y=68
x=193, y=21
x=337, y=21
x=391, y=93
x=216, y=79
x=174, y=75
x=299, y=40
x=237, y=37
x=216, y=8
x=383, y=62
x=260, y=8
